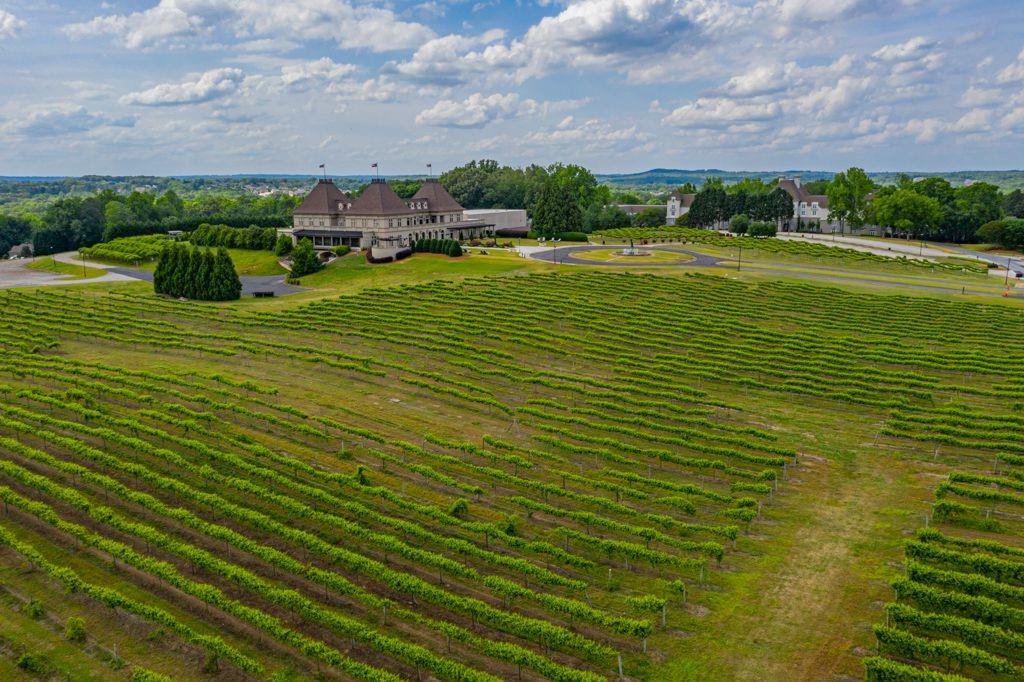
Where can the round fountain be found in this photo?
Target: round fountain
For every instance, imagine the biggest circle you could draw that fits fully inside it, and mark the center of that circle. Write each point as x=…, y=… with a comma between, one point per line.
x=631, y=250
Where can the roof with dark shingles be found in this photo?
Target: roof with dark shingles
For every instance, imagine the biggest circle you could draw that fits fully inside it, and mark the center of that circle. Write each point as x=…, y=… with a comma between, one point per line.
x=686, y=200
x=323, y=199
x=802, y=195
x=437, y=196
x=378, y=199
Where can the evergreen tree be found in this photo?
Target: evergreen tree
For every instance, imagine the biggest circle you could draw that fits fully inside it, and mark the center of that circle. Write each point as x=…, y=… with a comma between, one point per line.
x=181, y=261
x=228, y=286
x=160, y=273
x=206, y=287
x=456, y=250
x=172, y=277
x=192, y=273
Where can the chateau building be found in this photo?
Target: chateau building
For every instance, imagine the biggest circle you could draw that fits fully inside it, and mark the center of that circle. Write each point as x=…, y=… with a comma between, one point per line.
x=380, y=218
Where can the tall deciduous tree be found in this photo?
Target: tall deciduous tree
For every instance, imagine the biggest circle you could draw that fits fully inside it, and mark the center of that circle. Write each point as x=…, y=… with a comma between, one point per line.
x=557, y=209
x=1013, y=204
x=860, y=188
x=908, y=211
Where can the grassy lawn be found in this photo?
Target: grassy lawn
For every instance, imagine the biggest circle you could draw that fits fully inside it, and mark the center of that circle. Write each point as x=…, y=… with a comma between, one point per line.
x=46, y=264
x=250, y=262
x=352, y=273
x=652, y=256
x=247, y=262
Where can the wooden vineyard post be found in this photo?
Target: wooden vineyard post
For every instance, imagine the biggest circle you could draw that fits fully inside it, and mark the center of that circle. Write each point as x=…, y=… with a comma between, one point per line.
x=621, y=676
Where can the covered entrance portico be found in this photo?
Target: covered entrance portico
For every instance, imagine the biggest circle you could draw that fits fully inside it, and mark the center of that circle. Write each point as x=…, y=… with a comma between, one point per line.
x=327, y=239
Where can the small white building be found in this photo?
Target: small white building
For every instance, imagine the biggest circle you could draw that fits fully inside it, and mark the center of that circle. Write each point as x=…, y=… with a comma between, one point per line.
x=18, y=250
x=810, y=211
x=500, y=218
x=678, y=206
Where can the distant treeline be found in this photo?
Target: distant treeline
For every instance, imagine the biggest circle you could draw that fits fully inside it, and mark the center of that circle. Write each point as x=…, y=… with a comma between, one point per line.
x=74, y=222
x=662, y=179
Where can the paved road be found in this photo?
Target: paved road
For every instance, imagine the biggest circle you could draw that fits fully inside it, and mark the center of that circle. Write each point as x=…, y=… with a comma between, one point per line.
x=15, y=273
x=890, y=247
x=250, y=283
x=564, y=254
x=1016, y=264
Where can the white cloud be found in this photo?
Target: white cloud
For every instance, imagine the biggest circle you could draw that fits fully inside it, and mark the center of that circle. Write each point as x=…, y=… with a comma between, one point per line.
x=1013, y=72
x=910, y=61
x=478, y=110
x=179, y=22
x=211, y=85
x=974, y=121
x=626, y=35
x=155, y=26
x=454, y=59
x=720, y=112
x=323, y=71
x=9, y=24
x=764, y=79
x=819, y=12
x=590, y=136
x=979, y=96
x=62, y=119
x=475, y=111
x=926, y=129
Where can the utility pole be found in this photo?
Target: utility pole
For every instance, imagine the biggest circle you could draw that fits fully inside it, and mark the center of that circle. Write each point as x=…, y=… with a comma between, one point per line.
x=1006, y=280
x=739, y=263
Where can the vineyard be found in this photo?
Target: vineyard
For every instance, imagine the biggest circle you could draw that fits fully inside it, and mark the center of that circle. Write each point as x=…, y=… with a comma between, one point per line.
x=132, y=250
x=557, y=476
x=690, y=235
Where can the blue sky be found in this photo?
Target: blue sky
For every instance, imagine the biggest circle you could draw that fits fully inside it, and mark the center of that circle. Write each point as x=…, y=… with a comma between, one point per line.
x=223, y=86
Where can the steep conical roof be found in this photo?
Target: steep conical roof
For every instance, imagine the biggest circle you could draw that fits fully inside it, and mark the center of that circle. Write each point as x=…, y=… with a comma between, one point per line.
x=323, y=199
x=437, y=196
x=379, y=199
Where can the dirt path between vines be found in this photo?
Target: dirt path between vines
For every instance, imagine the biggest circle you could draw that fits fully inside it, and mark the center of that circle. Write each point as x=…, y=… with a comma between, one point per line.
x=801, y=603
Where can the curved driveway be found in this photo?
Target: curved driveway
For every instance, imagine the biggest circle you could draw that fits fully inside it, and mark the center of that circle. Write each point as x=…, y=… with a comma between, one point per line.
x=564, y=254
x=16, y=273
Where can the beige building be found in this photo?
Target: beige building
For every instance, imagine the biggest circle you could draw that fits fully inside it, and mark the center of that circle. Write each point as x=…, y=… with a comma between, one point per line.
x=380, y=218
